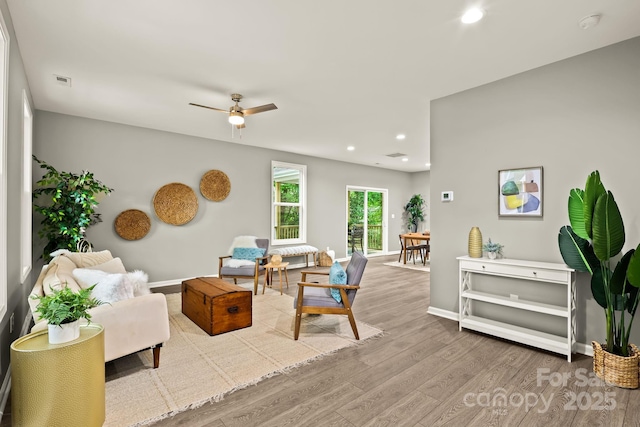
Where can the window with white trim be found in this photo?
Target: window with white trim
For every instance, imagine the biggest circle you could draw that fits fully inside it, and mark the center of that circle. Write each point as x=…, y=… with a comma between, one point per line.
x=4, y=71
x=288, y=203
x=26, y=216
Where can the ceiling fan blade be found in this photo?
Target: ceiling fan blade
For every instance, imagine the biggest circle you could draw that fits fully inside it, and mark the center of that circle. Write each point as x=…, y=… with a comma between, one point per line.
x=260, y=109
x=210, y=108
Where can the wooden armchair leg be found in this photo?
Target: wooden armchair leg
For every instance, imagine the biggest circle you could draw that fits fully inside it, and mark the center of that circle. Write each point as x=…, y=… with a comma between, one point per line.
x=156, y=355
x=352, y=320
x=296, y=332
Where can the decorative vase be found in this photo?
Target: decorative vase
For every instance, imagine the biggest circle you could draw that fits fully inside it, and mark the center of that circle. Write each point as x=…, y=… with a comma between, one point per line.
x=475, y=243
x=617, y=370
x=65, y=332
x=492, y=255
x=276, y=259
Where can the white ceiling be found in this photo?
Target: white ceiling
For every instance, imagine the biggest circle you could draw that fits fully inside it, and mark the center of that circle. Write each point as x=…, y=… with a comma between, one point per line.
x=342, y=72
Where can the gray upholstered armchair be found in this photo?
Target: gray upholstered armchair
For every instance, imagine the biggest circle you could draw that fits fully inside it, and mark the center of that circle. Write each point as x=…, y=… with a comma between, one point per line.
x=227, y=270
x=315, y=298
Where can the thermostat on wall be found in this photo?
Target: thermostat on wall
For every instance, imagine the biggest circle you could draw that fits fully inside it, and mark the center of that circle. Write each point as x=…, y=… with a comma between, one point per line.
x=447, y=196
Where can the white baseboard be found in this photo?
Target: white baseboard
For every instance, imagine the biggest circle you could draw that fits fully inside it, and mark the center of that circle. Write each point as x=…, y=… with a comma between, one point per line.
x=443, y=313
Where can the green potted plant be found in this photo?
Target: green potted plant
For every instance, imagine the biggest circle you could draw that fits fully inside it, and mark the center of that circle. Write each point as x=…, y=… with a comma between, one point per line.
x=592, y=244
x=414, y=210
x=68, y=202
x=63, y=309
x=492, y=249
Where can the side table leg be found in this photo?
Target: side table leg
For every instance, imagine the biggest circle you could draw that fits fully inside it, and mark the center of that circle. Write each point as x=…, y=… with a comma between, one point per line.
x=266, y=279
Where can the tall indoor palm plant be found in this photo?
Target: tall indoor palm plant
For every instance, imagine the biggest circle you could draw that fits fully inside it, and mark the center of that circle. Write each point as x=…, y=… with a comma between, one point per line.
x=592, y=244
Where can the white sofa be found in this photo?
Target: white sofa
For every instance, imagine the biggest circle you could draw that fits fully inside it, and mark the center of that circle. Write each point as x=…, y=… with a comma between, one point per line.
x=137, y=323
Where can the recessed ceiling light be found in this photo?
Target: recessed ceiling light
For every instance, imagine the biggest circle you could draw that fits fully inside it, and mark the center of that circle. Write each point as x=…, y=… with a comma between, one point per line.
x=427, y=165
x=351, y=148
x=405, y=159
x=472, y=15
x=401, y=136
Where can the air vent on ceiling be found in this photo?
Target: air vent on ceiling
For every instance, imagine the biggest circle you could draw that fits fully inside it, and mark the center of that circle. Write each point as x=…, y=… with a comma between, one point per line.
x=394, y=155
x=62, y=80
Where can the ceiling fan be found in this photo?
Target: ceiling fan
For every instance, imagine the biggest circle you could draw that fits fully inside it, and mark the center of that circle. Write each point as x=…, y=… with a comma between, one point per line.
x=237, y=113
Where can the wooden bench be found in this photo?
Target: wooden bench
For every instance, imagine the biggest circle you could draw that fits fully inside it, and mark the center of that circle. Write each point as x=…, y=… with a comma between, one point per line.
x=292, y=251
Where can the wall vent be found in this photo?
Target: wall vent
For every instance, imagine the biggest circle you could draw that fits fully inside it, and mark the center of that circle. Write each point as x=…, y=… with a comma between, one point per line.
x=394, y=155
x=62, y=80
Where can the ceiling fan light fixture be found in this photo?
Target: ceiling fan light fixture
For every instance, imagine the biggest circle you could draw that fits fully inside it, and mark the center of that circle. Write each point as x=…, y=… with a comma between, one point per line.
x=472, y=15
x=236, y=118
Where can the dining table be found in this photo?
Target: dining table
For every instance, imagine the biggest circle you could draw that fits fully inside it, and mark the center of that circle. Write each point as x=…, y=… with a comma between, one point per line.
x=426, y=236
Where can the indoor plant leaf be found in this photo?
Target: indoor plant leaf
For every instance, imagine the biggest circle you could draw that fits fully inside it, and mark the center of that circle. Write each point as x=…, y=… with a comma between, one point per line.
x=633, y=270
x=619, y=277
x=576, y=252
x=592, y=190
x=597, y=289
x=608, y=229
x=576, y=212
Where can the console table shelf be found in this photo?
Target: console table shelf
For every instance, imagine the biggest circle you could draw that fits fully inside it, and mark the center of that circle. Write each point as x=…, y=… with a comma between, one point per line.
x=520, y=270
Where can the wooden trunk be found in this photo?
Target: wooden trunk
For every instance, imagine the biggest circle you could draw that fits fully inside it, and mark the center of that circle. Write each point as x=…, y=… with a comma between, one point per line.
x=216, y=306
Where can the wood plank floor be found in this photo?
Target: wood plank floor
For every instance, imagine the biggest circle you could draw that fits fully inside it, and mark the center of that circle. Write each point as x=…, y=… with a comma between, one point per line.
x=422, y=372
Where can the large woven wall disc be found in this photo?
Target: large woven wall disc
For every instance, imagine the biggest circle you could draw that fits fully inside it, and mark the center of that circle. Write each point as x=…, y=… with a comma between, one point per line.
x=132, y=224
x=175, y=203
x=215, y=185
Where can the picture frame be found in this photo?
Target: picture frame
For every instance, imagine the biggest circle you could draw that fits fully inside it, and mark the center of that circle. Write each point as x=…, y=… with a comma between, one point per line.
x=520, y=192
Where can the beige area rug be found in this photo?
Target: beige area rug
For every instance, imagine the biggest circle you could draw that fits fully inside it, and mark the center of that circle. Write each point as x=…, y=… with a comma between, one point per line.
x=196, y=368
x=410, y=265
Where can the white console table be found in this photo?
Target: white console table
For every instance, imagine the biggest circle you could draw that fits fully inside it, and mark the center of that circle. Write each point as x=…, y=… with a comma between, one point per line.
x=523, y=270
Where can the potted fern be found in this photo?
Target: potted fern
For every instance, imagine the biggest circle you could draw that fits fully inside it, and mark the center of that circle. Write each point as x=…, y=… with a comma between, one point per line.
x=592, y=244
x=63, y=309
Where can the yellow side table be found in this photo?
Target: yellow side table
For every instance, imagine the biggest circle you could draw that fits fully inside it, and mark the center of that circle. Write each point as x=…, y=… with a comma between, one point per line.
x=268, y=274
x=58, y=384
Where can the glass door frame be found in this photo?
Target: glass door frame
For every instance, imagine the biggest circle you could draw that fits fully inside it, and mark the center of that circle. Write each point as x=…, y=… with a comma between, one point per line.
x=385, y=210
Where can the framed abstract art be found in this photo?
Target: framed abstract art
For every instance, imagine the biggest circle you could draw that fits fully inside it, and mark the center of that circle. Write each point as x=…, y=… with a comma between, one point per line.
x=520, y=192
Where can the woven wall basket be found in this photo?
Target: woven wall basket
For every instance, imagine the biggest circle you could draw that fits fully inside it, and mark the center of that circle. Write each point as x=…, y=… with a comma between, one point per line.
x=616, y=370
x=132, y=224
x=175, y=203
x=215, y=185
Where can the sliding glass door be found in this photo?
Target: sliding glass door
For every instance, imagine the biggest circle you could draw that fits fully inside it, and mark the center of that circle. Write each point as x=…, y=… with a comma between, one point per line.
x=366, y=220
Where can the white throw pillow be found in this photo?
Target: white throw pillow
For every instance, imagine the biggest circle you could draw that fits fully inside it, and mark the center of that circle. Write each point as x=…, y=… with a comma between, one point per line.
x=236, y=263
x=109, y=288
x=137, y=280
x=243, y=242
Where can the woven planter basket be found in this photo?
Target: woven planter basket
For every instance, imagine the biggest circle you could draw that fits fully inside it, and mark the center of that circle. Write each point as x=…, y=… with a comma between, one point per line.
x=616, y=370
x=324, y=260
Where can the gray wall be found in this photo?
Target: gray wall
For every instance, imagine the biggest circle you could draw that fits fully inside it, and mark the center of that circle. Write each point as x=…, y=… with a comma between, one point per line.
x=136, y=162
x=571, y=117
x=420, y=184
x=16, y=292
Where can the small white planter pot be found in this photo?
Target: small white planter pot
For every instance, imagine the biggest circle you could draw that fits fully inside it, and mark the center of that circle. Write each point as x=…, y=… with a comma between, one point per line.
x=491, y=255
x=64, y=333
